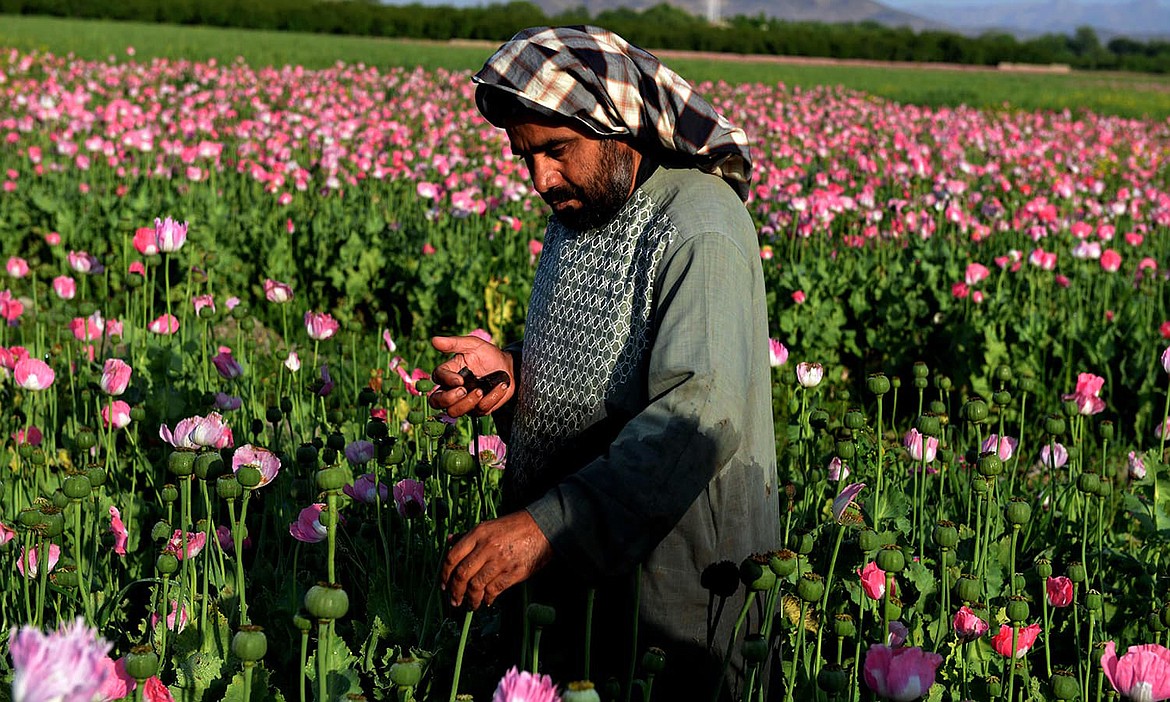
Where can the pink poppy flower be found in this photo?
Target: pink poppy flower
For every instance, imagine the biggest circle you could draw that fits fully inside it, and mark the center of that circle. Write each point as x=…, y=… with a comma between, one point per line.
x=83, y=262
x=518, y=686
x=293, y=362
x=118, y=684
x=119, y=530
x=1053, y=455
x=137, y=268
x=1166, y=360
x=30, y=556
x=1142, y=673
x=33, y=374
x=146, y=241
x=6, y=534
x=52, y=238
x=777, y=353
x=1003, y=446
x=968, y=626
x=88, y=328
x=68, y=664
x=195, y=543
x=799, y=297
x=428, y=249
x=922, y=448
x=901, y=674
x=843, y=501
x=320, y=325
x=176, y=620
x=11, y=308
x=975, y=273
x=534, y=250
x=1025, y=638
x=116, y=414
x=166, y=324
x=155, y=691
x=231, y=303
x=202, y=302
x=180, y=437
x=31, y=436
x=873, y=581
x=114, y=328
x=210, y=431
x=1088, y=394
x=1136, y=466
x=1059, y=591
x=897, y=634
x=410, y=498
x=115, y=376
x=17, y=267
x=262, y=459
x=65, y=287
x=277, y=292
x=391, y=347
x=809, y=375
x=226, y=365
x=308, y=527
x=411, y=378
x=838, y=469
x=171, y=235
x=367, y=490
x=1110, y=261
x=493, y=452
x=481, y=334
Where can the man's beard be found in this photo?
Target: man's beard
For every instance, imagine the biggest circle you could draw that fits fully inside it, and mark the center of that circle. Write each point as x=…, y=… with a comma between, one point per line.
x=605, y=193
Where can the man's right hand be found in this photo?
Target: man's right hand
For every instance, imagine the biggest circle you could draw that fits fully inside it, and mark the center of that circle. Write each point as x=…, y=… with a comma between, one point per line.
x=481, y=358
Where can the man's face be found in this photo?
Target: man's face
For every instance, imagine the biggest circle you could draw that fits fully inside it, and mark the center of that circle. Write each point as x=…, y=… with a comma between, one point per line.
x=583, y=178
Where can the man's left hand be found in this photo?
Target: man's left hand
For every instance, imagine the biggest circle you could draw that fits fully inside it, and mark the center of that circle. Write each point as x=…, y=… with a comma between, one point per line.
x=493, y=557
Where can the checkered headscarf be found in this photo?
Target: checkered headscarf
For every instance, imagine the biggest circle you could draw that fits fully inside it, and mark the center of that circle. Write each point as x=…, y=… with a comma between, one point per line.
x=614, y=88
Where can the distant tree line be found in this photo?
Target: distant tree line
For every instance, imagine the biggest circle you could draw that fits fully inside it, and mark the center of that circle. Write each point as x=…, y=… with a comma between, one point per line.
x=661, y=27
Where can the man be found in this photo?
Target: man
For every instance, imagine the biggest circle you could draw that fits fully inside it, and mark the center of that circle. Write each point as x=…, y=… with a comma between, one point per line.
x=639, y=414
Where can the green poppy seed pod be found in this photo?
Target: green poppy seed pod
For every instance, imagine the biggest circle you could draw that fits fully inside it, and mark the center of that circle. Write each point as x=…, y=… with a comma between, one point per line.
x=326, y=601
x=891, y=559
x=85, y=439
x=97, y=476
x=433, y=428
x=844, y=626
x=29, y=517
x=1076, y=572
x=1088, y=483
x=302, y=622
x=843, y=433
x=993, y=686
x=868, y=540
x=239, y=312
x=1018, y=511
x=1028, y=383
x=755, y=649
x=250, y=644
x=273, y=415
x=424, y=385
x=929, y=425
x=228, y=487
x=250, y=476
x=937, y=407
x=457, y=462
x=541, y=615
x=25, y=451
x=942, y=382
x=181, y=463
x=1105, y=430
x=1020, y=581
x=1065, y=686
x=38, y=456
x=209, y=465
x=969, y=589
x=580, y=691
x=854, y=420
x=948, y=557
x=613, y=689
x=367, y=397
x=818, y=419
x=975, y=411
x=782, y=562
x=65, y=576
x=845, y=450
x=878, y=383
x=920, y=383
x=76, y=487
x=1094, y=601
x=946, y=455
x=141, y=663
x=1054, y=425
x=1070, y=408
x=377, y=429
x=331, y=479
x=1003, y=398
x=1043, y=568
x=833, y=679
x=137, y=414
x=945, y=535
x=755, y=573
x=981, y=485
x=53, y=524
x=810, y=587
x=895, y=382
x=406, y=671
x=166, y=563
x=307, y=455
x=1104, y=487
x=1165, y=613
x=801, y=542
x=1003, y=373
x=59, y=500
x=335, y=441
x=1018, y=609
x=286, y=405
x=920, y=370
x=893, y=607
x=654, y=660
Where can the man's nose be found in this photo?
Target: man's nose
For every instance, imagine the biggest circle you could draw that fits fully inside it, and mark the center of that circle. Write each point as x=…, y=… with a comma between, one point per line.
x=545, y=176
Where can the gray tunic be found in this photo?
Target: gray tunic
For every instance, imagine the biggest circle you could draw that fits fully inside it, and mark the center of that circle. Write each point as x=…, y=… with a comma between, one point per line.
x=642, y=429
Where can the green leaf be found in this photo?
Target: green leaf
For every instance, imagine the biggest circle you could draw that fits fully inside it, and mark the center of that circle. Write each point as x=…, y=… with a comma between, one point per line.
x=259, y=687
x=922, y=578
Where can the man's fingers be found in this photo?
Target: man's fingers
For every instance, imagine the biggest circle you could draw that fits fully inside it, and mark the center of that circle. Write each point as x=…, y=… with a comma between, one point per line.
x=457, y=553
x=493, y=399
x=456, y=344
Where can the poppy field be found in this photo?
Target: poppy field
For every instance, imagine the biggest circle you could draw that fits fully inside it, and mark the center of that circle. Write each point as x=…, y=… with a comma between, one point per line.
x=220, y=479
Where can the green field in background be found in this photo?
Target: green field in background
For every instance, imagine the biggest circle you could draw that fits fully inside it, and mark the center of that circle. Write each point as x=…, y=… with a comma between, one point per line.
x=1131, y=95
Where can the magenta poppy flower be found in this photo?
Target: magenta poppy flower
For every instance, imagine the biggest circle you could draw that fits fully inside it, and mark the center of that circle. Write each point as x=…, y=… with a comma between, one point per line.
x=968, y=626
x=118, y=684
x=308, y=527
x=1059, y=591
x=275, y=291
x=119, y=530
x=65, y=287
x=1143, y=673
x=195, y=543
x=261, y=459
x=897, y=634
x=11, y=308
x=226, y=365
x=68, y=664
x=410, y=498
x=493, y=452
x=777, y=353
x=1088, y=394
x=171, y=235
x=137, y=268
x=320, y=325
x=367, y=490
x=227, y=403
x=6, y=534
x=411, y=378
x=843, y=501
x=115, y=376
x=17, y=267
x=154, y=690
x=873, y=581
x=30, y=557
x=114, y=328
x=901, y=674
x=975, y=273
x=165, y=324
x=116, y=414
x=391, y=347
x=146, y=241
x=1025, y=638
x=518, y=686
x=1110, y=261
x=799, y=297
x=88, y=328
x=33, y=374
x=31, y=436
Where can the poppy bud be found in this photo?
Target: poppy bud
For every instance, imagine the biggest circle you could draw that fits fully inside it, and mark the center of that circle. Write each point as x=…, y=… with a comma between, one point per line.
x=810, y=587
x=302, y=623
x=895, y=382
x=1105, y=429
x=65, y=576
x=891, y=559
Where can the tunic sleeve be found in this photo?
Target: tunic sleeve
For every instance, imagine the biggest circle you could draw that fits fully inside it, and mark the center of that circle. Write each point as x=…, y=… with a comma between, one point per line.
x=607, y=517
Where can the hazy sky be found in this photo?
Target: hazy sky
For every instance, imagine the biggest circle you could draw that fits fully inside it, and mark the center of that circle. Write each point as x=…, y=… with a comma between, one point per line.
x=912, y=5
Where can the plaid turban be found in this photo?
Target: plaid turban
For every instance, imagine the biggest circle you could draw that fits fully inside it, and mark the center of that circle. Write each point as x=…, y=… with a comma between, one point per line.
x=614, y=88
